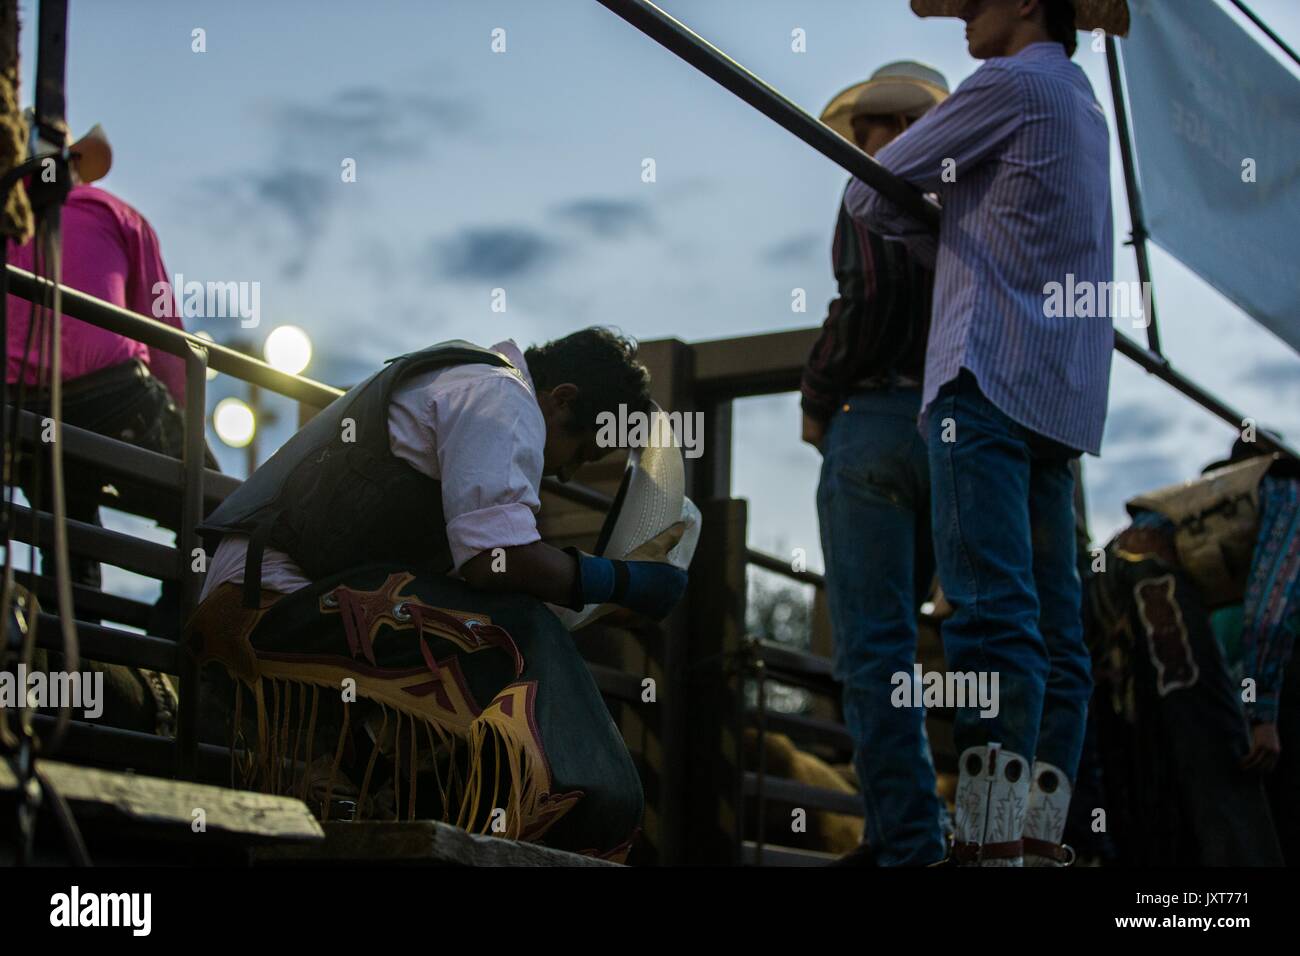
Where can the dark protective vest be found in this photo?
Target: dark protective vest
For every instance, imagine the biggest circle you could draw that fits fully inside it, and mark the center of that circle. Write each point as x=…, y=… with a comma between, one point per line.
x=335, y=496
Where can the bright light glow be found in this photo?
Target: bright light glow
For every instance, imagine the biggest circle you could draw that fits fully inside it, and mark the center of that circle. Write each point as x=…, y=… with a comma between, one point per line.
x=234, y=422
x=207, y=337
x=288, y=349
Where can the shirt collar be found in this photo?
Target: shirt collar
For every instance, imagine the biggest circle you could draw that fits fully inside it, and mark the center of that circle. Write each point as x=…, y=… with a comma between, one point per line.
x=1042, y=49
x=516, y=357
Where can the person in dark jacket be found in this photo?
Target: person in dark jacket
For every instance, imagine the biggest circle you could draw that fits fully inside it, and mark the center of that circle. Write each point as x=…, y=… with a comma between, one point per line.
x=861, y=393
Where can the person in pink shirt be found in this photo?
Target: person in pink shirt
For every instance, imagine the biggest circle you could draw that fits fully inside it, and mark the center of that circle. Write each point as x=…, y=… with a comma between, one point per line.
x=113, y=385
x=112, y=253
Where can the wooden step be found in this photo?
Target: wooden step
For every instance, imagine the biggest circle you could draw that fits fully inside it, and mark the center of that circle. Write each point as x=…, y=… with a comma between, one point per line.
x=132, y=818
x=427, y=842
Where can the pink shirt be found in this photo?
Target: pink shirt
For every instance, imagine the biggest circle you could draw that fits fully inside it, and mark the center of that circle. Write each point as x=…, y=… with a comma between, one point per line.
x=111, y=252
x=478, y=430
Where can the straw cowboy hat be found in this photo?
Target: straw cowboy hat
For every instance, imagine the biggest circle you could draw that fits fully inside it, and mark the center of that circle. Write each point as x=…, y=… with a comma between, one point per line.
x=905, y=88
x=94, y=155
x=93, y=152
x=1108, y=15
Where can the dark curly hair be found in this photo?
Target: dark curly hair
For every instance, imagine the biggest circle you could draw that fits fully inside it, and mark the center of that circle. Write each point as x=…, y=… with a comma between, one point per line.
x=602, y=364
x=1060, y=23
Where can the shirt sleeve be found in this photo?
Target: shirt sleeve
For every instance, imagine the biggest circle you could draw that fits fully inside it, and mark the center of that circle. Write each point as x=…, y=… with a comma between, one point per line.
x=145, y=272
x=491, y=439
x=838, y=350
x=957, y=135
x=1271, y=610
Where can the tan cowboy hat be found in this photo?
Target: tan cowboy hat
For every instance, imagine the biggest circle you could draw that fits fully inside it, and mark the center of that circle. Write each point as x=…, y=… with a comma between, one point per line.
x=93, y=152
x=905, y=88
x=94, y=155
x=1108, y=15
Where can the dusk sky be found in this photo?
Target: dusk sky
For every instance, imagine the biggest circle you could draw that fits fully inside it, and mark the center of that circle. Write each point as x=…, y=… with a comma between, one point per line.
x=522, y=170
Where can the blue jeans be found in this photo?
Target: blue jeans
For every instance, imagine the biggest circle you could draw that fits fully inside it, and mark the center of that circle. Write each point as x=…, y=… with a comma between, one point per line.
x=873, y=507
x=1003, y=514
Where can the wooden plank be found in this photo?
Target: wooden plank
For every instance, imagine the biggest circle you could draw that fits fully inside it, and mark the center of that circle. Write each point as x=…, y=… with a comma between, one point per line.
x=754, y=364
x=785, y=856
x=428, y=842
x=132, y=799
x=716, y=593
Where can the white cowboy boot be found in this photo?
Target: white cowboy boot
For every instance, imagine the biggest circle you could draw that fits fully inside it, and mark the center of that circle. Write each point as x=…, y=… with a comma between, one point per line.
x=992, y=795
x=1049, y=802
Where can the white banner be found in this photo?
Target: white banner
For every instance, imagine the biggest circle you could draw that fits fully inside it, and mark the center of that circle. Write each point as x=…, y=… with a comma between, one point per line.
x=1216, y=128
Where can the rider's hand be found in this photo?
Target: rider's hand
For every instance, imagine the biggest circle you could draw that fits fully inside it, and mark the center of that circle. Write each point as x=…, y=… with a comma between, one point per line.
x=1265, y=748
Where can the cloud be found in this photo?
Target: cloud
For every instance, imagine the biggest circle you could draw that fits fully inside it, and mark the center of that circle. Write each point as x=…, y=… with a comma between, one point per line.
x=305, y=144
x=340, y=367
x=280, y=214
x=1136, y=422
x=1119, y=480
x=304, y=199
x=492, y=253
x=608, y=218
x=370, y=123
x=801, y=248
x=1273, y=373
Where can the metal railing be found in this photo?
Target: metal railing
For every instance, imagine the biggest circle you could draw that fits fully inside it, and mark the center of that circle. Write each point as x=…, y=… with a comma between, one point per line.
x=196, y=488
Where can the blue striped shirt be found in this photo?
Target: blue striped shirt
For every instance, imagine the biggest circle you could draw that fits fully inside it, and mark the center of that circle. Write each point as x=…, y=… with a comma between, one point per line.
x=1025, y=148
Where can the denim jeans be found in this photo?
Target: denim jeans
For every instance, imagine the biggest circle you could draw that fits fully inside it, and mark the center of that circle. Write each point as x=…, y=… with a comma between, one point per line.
x=873, y=507
x=1003, y=514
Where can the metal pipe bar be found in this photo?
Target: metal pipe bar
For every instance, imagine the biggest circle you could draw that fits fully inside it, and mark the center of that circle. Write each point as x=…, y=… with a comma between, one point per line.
x=111, y=645
x=51, y=59
x=580, y=493
x=785, y=665
x=108, y=453
x=187, y=543
x=145, y=753
x=119, y=458
x=89, y=602
x=802, y=727
x=781, y=790
x=1138, y=232
x=159, y=335
x=1159, y=366
x=770, y=562
x=121, y=550
x=713, y=63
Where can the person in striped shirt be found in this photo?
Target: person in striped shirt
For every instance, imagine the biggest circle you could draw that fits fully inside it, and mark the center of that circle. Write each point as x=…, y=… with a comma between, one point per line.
x=1019, y=158
x=861, y=393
